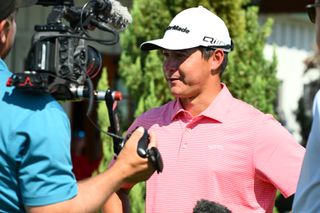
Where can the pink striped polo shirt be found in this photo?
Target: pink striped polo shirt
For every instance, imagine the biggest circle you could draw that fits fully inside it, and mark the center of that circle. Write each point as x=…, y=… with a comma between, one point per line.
x=231, y=153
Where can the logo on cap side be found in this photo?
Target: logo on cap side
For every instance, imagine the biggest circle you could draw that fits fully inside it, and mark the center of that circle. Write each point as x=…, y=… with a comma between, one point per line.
x=213, y=41
x=178, y=28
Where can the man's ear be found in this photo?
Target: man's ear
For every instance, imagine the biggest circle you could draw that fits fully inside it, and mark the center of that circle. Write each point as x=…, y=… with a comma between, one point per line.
x=217, y=59
x=4, y=29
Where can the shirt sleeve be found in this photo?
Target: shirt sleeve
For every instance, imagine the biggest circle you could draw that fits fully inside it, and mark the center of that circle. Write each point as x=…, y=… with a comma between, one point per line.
x=146, y=120
x=278, y=157
x=45, y=171
x=308, y=191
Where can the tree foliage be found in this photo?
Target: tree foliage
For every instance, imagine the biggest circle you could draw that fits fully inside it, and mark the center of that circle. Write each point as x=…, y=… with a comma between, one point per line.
x=249, y=75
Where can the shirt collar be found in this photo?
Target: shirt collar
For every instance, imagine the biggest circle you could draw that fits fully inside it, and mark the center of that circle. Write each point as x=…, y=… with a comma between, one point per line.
x=217, y=110
x=176, y=109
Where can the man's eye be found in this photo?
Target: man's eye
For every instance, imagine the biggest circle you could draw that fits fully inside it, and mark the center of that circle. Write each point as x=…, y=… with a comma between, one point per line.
x=181, y=55
x=165, y=54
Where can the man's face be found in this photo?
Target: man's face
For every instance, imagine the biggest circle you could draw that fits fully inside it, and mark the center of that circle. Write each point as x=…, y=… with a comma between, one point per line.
x=187, y=72
x=9, y=32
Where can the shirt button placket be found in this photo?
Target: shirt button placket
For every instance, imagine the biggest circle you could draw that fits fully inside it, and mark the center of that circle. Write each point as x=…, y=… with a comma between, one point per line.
x=185, y=137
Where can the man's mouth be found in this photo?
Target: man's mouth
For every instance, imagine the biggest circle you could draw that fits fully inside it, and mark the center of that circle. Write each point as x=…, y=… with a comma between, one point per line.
x=174, y=79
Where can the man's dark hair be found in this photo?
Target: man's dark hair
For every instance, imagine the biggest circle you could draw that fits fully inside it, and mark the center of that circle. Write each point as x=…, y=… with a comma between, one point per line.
x=207, y=206
x=207, y=53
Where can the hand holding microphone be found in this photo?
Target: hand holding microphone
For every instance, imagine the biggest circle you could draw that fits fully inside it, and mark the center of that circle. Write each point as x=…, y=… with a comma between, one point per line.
x=151, y=153
x=145, y=161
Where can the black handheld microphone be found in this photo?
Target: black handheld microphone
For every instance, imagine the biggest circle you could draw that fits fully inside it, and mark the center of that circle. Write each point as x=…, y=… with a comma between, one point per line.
x=207, y=206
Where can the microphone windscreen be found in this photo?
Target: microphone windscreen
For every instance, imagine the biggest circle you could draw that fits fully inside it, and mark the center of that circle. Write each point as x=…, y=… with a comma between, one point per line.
x=120, y=16
x=207, y=206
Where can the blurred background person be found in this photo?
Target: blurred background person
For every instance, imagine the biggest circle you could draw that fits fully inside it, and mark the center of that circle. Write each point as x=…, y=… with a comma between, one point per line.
x=83, y=164
x=306, y=199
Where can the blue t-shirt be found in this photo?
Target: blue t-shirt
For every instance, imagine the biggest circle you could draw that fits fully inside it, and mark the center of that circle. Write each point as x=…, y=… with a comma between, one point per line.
x=35, y=162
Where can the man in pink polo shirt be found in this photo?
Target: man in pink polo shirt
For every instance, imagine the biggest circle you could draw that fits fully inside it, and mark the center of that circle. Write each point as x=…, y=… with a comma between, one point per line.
x=214, y=146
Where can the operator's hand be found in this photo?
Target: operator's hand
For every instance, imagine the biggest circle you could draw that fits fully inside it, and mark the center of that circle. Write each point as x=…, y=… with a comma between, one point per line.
x=134, y=167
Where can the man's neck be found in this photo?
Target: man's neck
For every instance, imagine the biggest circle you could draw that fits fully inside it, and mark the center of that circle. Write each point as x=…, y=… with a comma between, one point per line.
x=196, y=105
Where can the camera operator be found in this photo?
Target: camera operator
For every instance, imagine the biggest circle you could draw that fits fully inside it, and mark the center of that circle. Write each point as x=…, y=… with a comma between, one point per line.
x=36, y=170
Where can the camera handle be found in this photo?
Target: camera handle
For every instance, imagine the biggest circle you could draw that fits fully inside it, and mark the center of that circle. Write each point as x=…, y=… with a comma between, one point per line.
x=110, y=99
x=152, y=154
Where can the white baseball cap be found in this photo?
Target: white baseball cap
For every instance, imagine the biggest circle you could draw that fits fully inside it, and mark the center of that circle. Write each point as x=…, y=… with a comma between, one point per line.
x=193, y=27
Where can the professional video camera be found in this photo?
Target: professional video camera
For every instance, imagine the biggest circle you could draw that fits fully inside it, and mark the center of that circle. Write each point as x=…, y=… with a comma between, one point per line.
x=60, y=61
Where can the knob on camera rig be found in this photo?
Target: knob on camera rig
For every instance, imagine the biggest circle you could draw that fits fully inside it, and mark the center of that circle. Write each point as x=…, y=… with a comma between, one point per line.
x=61, y=63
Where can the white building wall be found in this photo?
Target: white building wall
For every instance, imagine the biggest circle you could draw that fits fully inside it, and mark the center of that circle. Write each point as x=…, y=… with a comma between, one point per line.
x=292, y=40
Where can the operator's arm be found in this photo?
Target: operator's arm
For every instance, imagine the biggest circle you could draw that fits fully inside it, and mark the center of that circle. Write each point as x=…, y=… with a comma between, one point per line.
x=117, y=203
x=93, y=192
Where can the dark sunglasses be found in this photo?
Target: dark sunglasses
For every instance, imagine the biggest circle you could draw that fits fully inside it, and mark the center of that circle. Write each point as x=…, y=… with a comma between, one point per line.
x=311, y=9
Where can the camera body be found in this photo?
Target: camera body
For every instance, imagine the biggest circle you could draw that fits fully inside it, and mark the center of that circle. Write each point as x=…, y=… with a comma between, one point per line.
x=61, y=61
x=55, y=52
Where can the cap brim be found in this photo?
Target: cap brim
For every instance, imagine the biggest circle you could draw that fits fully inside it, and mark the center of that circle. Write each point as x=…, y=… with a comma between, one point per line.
x=25, y=3
x=166, y=44
x=149, y=45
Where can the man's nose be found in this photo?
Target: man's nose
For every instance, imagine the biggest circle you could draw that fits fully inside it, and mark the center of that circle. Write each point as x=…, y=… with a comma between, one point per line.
x=170, y=66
